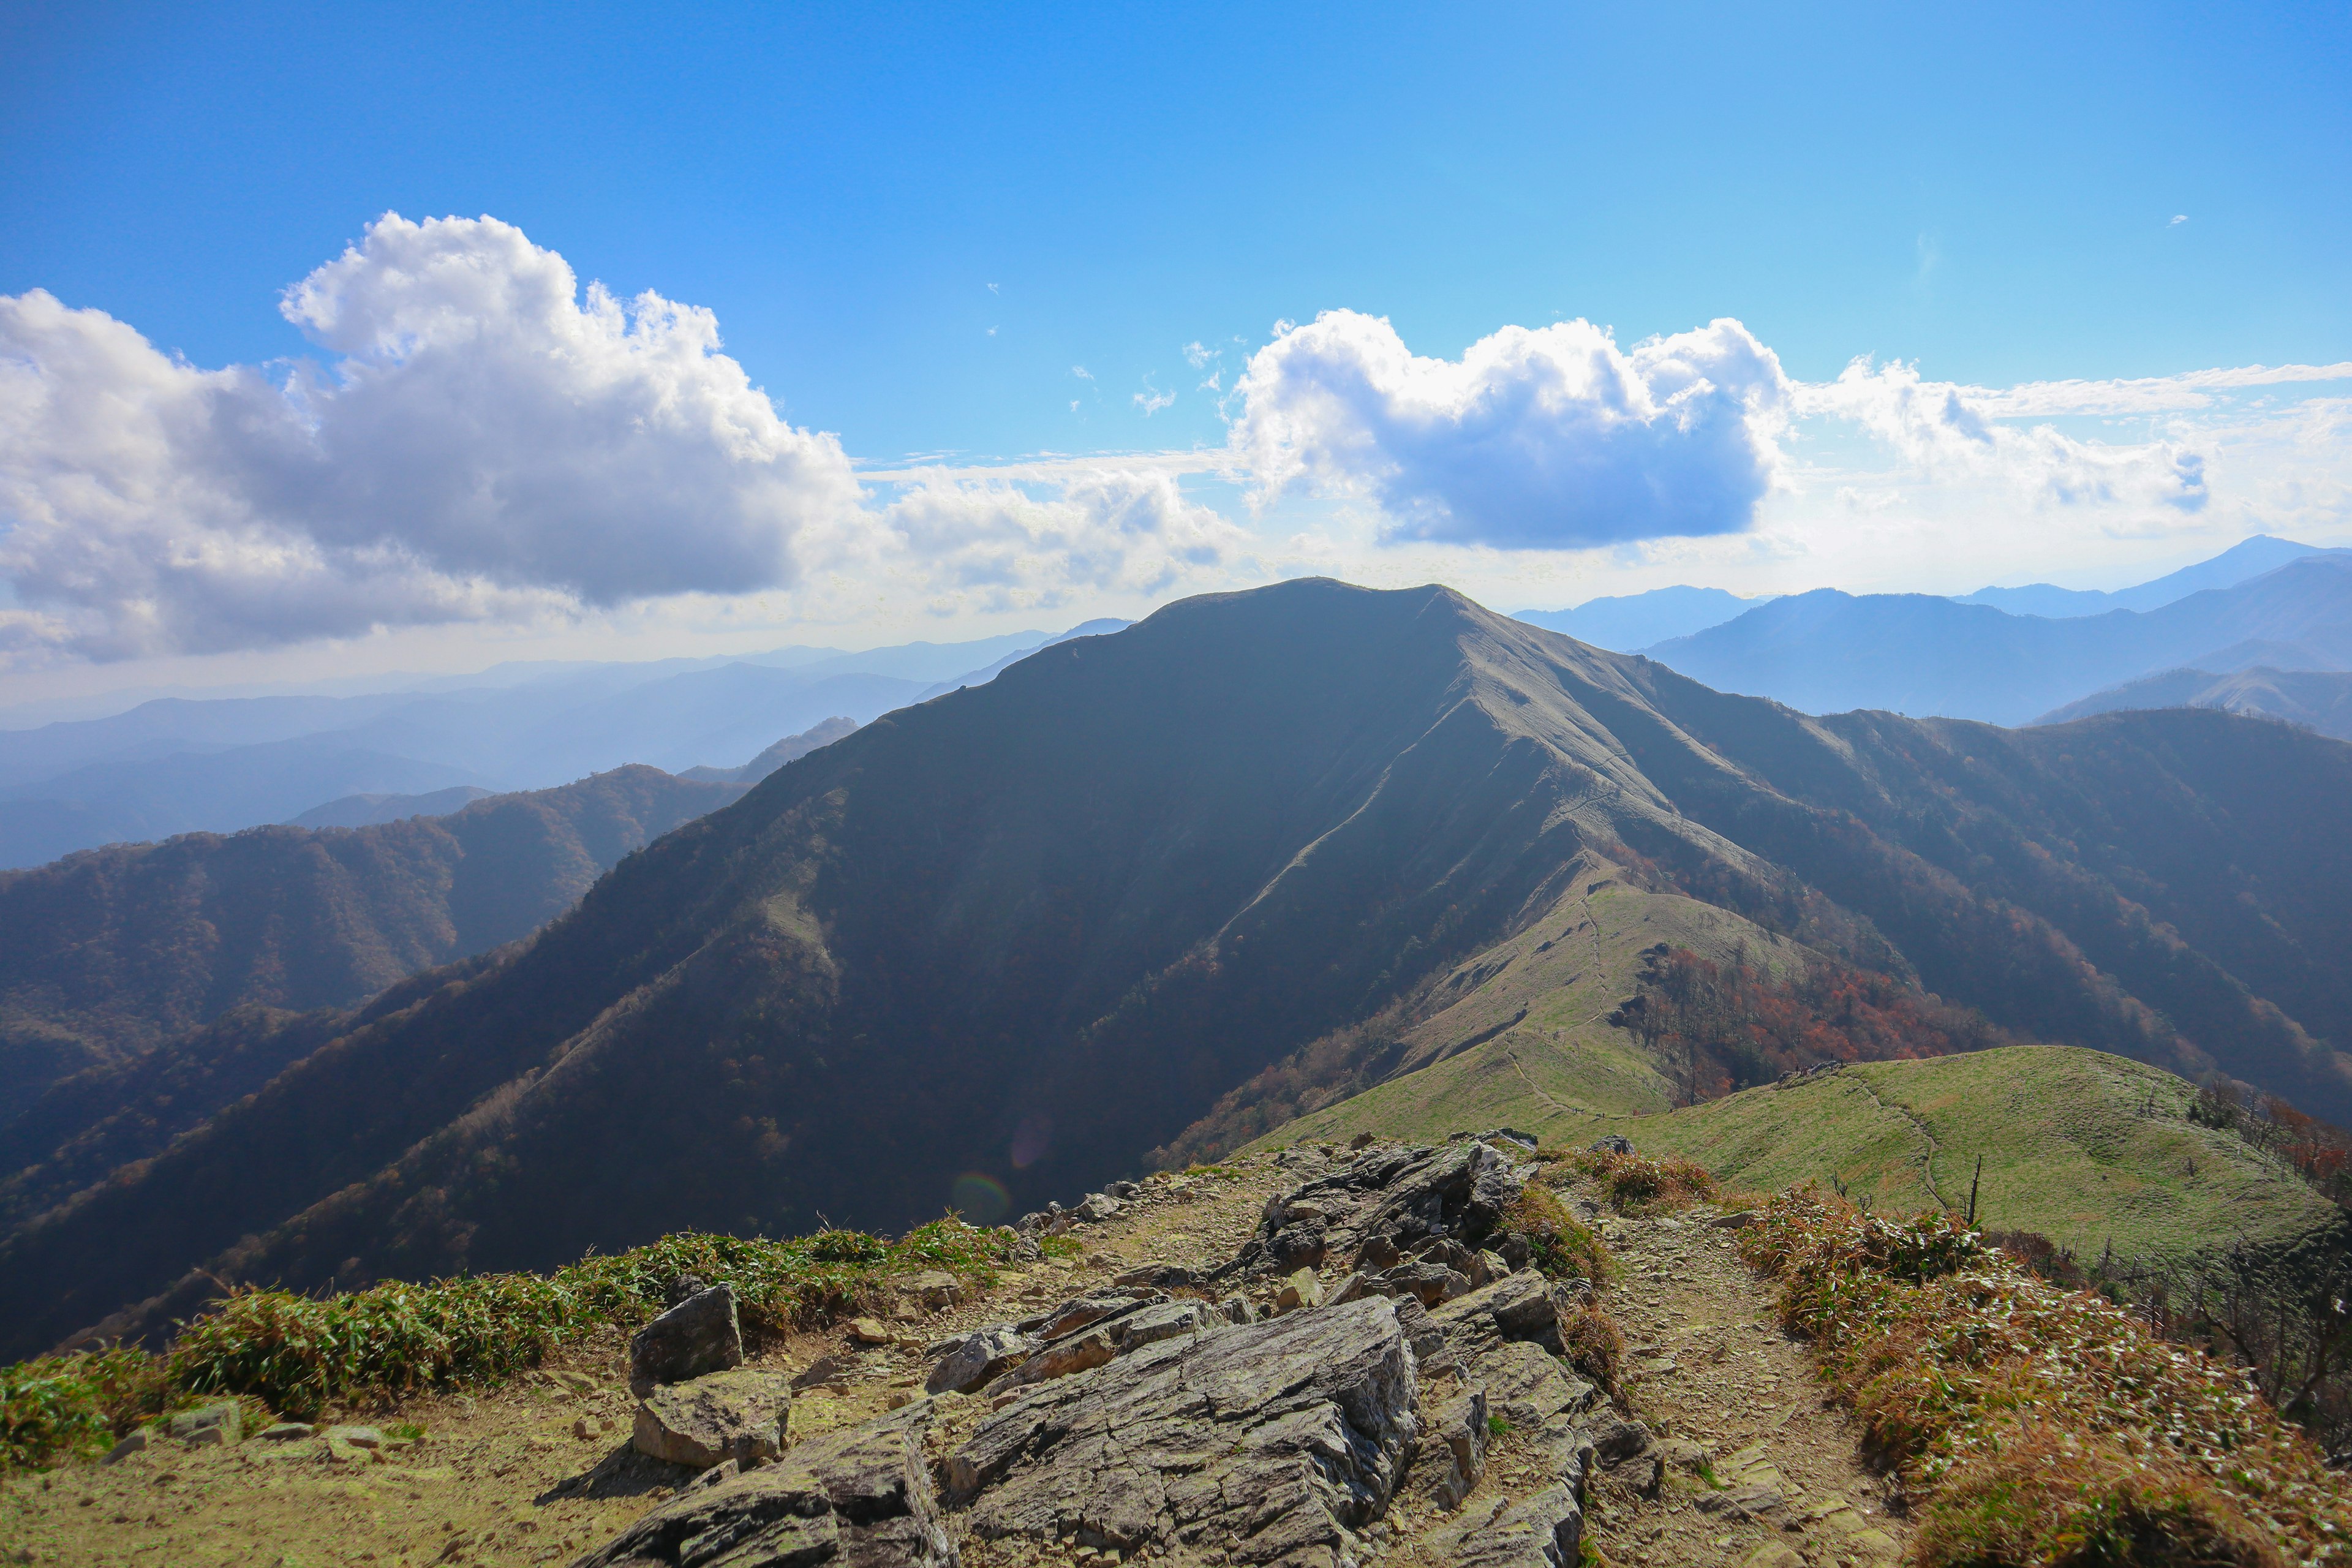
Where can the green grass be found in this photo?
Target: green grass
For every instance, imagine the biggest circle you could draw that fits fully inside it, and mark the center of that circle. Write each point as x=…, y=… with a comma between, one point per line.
x=299, y=1355
x=2086, y=1148
x=1557, y=1067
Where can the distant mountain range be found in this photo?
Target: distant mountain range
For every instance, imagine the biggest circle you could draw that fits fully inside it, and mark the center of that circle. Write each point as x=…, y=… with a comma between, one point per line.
x=2316, y=700
x=1033, y=930
x=180, y=764
x=2247, y=558
x=1631, y=621
x=1828, y=652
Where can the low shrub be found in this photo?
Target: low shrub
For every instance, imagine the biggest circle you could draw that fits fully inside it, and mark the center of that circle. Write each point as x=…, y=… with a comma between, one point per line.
x=1595, y=1347
x=53, y=1408
x=2051, y=1497
x=1560, y=1245
x=301, y=1353
x=1637, y=1184
x=2039, y=1426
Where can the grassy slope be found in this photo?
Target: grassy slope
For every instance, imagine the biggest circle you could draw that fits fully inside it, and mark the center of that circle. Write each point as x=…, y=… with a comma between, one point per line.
x=2083, y=1147
x=1556, y=1065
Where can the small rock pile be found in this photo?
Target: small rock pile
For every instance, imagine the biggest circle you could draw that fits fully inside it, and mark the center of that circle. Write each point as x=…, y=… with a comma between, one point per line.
x=1245, y=1414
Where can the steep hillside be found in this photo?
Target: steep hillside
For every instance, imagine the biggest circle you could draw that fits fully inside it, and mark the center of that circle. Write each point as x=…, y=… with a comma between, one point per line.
x=1029, y=931
x=1826, y=652
x=2316, y=700
x=107, y=953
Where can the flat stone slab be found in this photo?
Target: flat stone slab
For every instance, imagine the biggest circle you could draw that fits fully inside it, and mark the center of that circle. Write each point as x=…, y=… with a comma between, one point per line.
x=854, y=1498
x=1267, y=1443
x=736, y=1415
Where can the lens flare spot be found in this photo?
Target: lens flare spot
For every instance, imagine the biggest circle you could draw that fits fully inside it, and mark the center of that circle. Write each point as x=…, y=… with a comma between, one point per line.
x=981, y=1199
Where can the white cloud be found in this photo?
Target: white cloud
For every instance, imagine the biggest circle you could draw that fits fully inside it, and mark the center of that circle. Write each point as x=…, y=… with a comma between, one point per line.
x=487, y=444
x=2177, y=219
x=1948, y=430
x=1546, y=438
x=1198, y=354
x=978, y=542
x=1082, y=372
x=1151, y=400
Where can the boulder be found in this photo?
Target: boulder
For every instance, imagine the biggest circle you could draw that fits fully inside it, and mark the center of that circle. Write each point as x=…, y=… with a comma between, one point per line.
x=210, y=1425
x=1301, y=1290
x=1096, y=1207
x=1545, y=1530
x=1263, y=1443
x=1516, y=1306
x=869, y=1331
x=1527, y=1386
x=981, y=1358
x=698, y=1335
x=855, y=1499
x=1613, y=1144
x=736, y=1415
x=933, y=1291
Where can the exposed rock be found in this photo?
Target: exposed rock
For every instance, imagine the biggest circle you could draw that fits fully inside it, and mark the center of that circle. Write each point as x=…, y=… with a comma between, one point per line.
x=1073, y=1353
x=855, y=1499
x=1516, y=1307
x=1453, y=1452
x=933, y=1290
x=209, y=1425
x=1301, y=1290
x=1613, y=1144
x=1096, y=1207
x=129, y=1442
x=698, y=1335
x=869, y=1331
x=1626, y=1456
x=1157, y=1276
x=1123, y=1190
x=1265, y=1443
x=1527, y=1387
x=1384, y=1199
x=286, y=1432
x=980, y=1357
x=1543, y=1531
x=739, y=1415
x=1079, y=1312
x=825, y=1369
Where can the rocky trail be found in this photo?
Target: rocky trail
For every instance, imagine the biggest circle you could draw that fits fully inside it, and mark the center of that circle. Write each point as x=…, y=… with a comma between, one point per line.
x=1287, y=1359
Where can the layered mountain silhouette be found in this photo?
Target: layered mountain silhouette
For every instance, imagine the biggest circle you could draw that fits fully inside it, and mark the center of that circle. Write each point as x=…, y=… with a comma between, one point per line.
x=112, y=952
x=2317, y=699
x=1829, y=652
x=1029, y=931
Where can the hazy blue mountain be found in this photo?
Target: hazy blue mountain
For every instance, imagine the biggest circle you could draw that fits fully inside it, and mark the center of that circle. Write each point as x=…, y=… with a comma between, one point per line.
x=986, y=673
x=2247, y=559
x=368, y=810
x=220, y=792
x=1627, y=621
x=181, y=764
x=2316, y=700
x=790, y=749
x=1828, y=652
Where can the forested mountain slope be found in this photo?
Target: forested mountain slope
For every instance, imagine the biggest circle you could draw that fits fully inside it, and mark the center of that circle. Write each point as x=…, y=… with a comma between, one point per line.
x=107, y=953
x=1031, y=930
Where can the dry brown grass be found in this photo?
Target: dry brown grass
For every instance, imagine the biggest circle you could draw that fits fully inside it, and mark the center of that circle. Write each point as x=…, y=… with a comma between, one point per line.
x=2039, y=1426
x=1638, y=1185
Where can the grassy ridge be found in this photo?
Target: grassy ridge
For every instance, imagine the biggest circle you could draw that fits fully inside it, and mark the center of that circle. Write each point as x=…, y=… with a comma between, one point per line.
x=298, y=1354
x=2088, y=1149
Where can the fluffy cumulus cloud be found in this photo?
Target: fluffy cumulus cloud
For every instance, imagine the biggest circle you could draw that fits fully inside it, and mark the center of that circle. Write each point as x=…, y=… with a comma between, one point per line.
x=1944, y=430
x=1550, y=438
x=487, y=441
x=985, y=542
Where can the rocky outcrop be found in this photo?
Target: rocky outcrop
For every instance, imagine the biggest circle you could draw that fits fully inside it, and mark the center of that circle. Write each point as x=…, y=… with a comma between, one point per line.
x=737, y=1415
x=698, y=1335
x=1269, y=1442
x=1138, y=1417
x=1375, y=1210
x=857, y=1499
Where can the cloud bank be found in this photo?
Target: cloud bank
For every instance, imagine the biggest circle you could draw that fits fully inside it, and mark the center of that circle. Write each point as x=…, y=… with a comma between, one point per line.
x=486, y=443
x=1544, y=439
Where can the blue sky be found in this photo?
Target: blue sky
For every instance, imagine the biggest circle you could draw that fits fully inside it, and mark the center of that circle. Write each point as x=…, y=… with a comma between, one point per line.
x=909, y=225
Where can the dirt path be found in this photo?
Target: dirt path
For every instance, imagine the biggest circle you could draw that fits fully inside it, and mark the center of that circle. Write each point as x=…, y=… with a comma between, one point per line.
x=1708, y=1367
